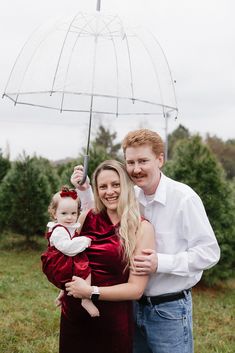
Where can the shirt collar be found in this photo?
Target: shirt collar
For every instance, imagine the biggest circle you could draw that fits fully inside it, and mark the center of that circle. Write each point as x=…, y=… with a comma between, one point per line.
x=160, y=193
x=53, y=224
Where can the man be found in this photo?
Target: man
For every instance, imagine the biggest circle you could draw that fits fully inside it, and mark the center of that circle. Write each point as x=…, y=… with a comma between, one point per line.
x=185, y=243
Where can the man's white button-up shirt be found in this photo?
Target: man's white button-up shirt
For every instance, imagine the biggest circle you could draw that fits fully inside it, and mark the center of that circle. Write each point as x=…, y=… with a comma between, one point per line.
x=185, y=242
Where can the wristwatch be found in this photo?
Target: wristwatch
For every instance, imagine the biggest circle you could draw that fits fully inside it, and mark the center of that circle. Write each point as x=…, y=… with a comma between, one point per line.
x=95, y=294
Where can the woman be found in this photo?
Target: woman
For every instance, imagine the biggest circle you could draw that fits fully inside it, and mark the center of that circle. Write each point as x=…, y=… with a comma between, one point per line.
x=117, y=234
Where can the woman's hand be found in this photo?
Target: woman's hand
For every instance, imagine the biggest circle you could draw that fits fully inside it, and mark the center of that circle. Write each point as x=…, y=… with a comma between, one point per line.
x=77, y=176
x=78, y=288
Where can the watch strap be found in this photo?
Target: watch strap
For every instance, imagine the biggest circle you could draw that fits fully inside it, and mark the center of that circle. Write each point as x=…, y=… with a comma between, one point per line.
x=95, y=294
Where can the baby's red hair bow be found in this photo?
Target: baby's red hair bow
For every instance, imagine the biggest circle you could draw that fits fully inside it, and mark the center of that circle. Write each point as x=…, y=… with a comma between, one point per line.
x=69, y=193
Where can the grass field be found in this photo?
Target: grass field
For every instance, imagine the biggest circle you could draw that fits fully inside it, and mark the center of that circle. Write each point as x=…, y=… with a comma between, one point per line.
x=30, y=322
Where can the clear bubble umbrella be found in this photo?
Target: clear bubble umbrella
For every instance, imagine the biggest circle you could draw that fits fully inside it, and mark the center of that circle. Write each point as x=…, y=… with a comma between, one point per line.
x=92, y=64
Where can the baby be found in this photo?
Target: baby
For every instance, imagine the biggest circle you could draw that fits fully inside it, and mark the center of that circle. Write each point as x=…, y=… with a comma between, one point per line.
x=65, y=256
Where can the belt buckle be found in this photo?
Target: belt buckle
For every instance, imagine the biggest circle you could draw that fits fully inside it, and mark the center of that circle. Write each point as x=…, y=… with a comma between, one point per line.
x=145, y=300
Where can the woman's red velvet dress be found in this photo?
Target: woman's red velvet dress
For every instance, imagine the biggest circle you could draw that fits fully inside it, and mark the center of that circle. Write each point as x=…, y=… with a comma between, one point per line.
x=112, y=331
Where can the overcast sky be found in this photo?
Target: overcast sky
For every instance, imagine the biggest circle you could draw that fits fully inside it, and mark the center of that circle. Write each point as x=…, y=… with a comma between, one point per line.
x=198, y=39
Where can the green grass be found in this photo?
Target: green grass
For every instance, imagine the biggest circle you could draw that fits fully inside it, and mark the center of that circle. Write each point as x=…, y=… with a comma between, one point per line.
x=214, y=318
x=30, y=322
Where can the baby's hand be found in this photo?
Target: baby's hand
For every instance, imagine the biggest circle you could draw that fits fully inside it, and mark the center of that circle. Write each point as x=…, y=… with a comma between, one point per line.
x=58, y=300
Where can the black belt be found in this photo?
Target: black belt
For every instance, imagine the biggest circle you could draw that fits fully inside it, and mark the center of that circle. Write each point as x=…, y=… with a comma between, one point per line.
x=159, y=299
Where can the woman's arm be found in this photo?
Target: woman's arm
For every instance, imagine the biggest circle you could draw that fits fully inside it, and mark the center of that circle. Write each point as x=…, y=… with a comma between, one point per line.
x=84, y=191
x=131, y=290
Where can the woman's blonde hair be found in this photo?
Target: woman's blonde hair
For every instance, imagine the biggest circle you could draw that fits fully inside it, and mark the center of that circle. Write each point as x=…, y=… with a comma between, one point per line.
x=127, y=210
x=57, y=197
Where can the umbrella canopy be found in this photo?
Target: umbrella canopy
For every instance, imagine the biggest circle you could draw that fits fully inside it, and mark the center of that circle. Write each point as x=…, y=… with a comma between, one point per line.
x=92, y=64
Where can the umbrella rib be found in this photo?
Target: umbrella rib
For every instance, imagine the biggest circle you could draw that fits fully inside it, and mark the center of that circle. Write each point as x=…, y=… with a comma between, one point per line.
x=104, y=35
x=79, y=29
x=61, y=51
x=130, y=65
x=92, y=89
x=85, y=111
x=18, y=56
x=168, y=66
x=30, y=60
x=107, y=24
x=69, y=62
x=8, y=95
x=88, y=23
x=155, y=71
x=117, y=71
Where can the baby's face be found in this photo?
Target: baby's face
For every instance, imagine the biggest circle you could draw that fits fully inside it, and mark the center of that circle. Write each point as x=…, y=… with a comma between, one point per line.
x=67, y=211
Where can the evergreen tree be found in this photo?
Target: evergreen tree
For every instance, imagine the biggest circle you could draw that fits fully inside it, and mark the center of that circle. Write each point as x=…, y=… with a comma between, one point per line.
x=225, y=152
x=106, y=139
x=50, y=172
x=176, y=136
x=24, y=197
x=5, y=165
x=195, y=165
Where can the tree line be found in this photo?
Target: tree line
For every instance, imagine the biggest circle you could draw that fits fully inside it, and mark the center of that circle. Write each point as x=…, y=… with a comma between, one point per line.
x=27, y=184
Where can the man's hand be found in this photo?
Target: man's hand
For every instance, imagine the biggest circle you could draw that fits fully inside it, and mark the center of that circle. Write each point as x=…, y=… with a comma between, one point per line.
x=146, y=263
x=78, y=288
x=77, y=176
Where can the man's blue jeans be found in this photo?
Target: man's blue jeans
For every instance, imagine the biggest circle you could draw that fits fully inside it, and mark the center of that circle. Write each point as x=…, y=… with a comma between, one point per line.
x=164, y=328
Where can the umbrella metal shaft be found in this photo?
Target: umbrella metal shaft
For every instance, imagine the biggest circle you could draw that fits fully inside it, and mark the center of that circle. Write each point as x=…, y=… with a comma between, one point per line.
x=98, y=5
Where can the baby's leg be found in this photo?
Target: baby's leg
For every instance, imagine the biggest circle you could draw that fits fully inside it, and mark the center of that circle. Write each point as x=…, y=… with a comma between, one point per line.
x=90, y=307
x=88, y=304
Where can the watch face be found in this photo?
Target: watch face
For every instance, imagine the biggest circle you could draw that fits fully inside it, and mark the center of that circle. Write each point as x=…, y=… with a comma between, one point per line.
x=95, y=297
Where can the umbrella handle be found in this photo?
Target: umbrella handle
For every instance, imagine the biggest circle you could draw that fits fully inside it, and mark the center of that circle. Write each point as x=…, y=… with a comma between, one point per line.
x=85, y=169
